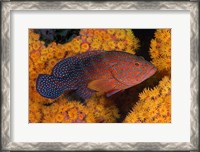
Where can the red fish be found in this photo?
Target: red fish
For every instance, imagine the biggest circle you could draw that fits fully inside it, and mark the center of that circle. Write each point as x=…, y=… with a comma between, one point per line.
x=95, y=71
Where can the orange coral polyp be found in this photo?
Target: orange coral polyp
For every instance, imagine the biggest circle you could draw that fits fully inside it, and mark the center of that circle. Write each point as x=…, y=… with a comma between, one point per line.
x=44, y=51
x=50, y=55
x=36, y=46
x=120, y=34
x=111, y=31
x=81, y=116
x=59, y=117
x=35, y=55
x=52, y=62
x=60, y=54
x=120, y=45
x=43, y=58
x=85, y=46
x=106, y=37
x=96, y=32
x=95, y=46
x=73, y=114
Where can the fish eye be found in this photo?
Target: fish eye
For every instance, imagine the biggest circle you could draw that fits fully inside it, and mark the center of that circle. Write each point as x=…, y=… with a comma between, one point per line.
x=137, y=64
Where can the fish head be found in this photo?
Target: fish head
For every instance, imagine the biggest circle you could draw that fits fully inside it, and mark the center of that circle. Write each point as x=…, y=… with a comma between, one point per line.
x=131, y=70
x=140, y=70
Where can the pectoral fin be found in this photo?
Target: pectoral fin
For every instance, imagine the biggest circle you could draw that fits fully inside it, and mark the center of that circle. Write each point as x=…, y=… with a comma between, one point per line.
x=102, y=85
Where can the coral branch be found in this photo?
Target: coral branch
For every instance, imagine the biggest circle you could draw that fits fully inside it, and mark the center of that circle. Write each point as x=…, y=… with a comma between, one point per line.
x=160, y=50
x=154, y=105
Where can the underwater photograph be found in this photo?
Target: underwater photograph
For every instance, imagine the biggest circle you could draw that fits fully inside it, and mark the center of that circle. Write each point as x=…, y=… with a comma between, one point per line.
x=99, y=75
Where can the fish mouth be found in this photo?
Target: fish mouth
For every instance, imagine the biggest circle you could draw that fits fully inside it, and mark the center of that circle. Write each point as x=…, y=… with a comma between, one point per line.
x=152, y=71
x=149, y=73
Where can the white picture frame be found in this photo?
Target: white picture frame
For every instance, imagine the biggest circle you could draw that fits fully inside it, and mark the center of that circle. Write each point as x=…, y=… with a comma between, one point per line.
x=97, y=143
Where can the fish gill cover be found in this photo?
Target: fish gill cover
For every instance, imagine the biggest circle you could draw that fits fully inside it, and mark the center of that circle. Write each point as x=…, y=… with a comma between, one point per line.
x=120, y=107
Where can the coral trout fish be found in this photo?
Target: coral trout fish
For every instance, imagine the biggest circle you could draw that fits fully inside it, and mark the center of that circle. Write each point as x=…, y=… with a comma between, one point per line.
x=95, y=71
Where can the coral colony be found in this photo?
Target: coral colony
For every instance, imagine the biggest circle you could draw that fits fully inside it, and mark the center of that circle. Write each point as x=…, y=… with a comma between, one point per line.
x=147, y=100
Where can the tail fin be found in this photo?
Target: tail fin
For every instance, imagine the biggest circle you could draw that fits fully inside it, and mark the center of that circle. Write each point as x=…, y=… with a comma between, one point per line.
x=52, y=87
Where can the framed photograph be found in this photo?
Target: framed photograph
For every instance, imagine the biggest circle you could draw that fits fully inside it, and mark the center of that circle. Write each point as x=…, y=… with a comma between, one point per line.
x=100, y=75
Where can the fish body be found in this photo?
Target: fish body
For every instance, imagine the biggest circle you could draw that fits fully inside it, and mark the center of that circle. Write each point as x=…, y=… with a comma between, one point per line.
x=95, y=71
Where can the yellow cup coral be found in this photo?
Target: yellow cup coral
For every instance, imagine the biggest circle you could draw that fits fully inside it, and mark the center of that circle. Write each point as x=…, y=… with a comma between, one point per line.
x=63, y=111
x=109, y=39
x=102, y=108
x=160, y=50
x=35, y=114
x=97, y=109
x=154, y=106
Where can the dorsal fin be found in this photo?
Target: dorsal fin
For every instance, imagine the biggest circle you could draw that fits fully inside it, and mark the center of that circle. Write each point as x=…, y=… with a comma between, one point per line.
x=65, y=66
